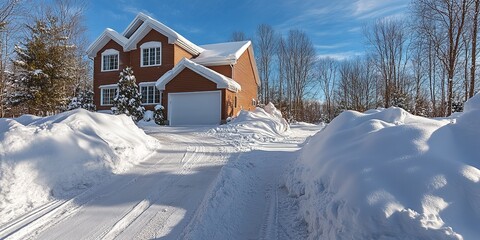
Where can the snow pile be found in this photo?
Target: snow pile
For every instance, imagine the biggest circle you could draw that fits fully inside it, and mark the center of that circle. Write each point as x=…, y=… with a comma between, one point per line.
x=250, y=127
x=387, y=174
x=55, y=157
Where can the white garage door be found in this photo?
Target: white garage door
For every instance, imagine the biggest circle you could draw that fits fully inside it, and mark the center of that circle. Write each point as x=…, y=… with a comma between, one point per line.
x=194, y=108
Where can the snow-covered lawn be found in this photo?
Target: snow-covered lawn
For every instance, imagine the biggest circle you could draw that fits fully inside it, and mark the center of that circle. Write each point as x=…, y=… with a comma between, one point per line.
x=386, y=174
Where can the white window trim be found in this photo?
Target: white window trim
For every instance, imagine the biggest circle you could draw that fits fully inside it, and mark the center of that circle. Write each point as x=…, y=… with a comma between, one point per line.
x=107, y=53
x=147, y=84
x=110, y=86
x=151, y=44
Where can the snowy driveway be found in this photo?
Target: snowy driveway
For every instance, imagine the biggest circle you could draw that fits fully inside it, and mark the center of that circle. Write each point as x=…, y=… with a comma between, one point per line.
x=181, y=191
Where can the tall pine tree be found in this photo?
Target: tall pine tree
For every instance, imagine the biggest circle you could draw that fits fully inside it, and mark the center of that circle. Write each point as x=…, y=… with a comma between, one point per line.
x=128, y=100
x=43, y=80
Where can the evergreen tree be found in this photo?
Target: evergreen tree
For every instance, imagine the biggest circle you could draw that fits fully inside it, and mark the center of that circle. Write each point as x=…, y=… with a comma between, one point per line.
x=83, y=99
x=158, y=115
x=128, y=100
x=43, y=78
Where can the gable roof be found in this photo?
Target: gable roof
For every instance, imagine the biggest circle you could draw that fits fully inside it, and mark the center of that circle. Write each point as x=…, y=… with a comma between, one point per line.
x=136, y=30
x=222, y=53
x=107, y=35
x=221, y=80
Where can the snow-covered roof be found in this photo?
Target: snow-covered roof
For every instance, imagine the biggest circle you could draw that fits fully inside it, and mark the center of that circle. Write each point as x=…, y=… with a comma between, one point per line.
x=221, y=80
x=222, y=53
x=150, y=23
x=138, y=28
x=107, y=35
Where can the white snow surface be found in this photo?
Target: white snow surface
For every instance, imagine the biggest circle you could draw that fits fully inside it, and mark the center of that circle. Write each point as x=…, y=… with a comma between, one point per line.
x=387, y=174
x=252, y=127
x=200, y=184
x=226, y=53
x=46, y=158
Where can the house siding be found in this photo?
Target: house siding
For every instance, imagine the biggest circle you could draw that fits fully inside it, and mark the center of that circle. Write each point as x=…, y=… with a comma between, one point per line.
x=151, y=74
x=180, y=53
x=170, y=55
x=225, y=70
x=244, y=74
x=110, y=77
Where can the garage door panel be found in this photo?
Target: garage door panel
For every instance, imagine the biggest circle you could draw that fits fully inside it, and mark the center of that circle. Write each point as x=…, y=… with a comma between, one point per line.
x=195, y=108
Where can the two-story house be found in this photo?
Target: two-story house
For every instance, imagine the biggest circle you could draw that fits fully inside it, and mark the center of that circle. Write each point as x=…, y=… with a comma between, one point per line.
x=196, y=84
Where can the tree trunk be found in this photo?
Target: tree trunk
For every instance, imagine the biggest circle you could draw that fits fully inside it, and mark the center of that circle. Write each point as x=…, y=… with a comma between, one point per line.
x=474, y=48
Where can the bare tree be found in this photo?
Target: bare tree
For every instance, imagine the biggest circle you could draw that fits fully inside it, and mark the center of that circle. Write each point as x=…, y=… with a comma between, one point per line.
x=9, y=28
x=238, y=36
x=387, y=37
x=266, y=44
x=327, y=69
x=475, y=12
x=298, y=61
x=449, y=18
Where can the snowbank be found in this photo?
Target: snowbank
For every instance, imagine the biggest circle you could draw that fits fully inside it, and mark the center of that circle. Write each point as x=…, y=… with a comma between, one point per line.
x=250, y=127
x=55, y=157
x=387, y=174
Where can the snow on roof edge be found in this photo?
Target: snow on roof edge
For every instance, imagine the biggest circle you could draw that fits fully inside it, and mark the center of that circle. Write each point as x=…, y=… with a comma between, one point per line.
x=171, y=34
x=110, y=33
x=147, y=21
x=231, y=58
x=221, y=80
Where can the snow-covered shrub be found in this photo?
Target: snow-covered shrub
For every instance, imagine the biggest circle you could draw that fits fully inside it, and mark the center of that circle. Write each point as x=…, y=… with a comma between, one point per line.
x=148, y=116
x=128, y=100
x=84, y=99
x=158, y=115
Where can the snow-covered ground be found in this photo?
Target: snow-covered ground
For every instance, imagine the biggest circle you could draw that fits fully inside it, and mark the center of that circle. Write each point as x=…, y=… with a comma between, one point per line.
x=382, y=174
x=386, y=174
x=171, y=192
x=55, y=158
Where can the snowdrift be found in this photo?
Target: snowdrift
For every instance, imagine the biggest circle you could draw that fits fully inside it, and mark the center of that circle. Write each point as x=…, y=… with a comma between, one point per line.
x=55, y=157
x=387, y=174
x=249, y=127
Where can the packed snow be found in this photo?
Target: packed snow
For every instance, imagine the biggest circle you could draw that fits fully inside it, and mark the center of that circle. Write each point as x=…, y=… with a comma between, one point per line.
x=387, y=174
x=56, y=157
x=253, y=127
x=247, y=200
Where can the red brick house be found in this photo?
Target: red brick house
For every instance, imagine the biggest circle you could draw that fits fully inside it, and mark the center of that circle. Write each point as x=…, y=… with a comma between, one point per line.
x=196, y=84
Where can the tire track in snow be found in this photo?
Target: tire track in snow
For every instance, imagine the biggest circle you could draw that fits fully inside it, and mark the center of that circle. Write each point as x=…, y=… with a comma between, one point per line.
x=143, y=205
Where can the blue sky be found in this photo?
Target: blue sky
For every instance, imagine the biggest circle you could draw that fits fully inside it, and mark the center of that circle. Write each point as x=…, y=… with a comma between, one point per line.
x=334, y=26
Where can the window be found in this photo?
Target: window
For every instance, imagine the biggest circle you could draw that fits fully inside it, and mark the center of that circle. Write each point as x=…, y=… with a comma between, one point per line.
x=235, y=102
x=107, y=95
x=110, y=60
x=254, y=102
x=151, y=54
x=150, y=94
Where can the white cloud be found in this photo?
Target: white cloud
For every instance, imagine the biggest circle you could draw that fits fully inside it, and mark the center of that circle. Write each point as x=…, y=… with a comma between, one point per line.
x=340, y=56
x=368, y=9
x=330, y=46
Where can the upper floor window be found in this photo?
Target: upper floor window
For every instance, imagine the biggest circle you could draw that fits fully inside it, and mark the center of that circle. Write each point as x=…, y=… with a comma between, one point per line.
x=150, y=94
x=151, y=54
x=110, y=60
